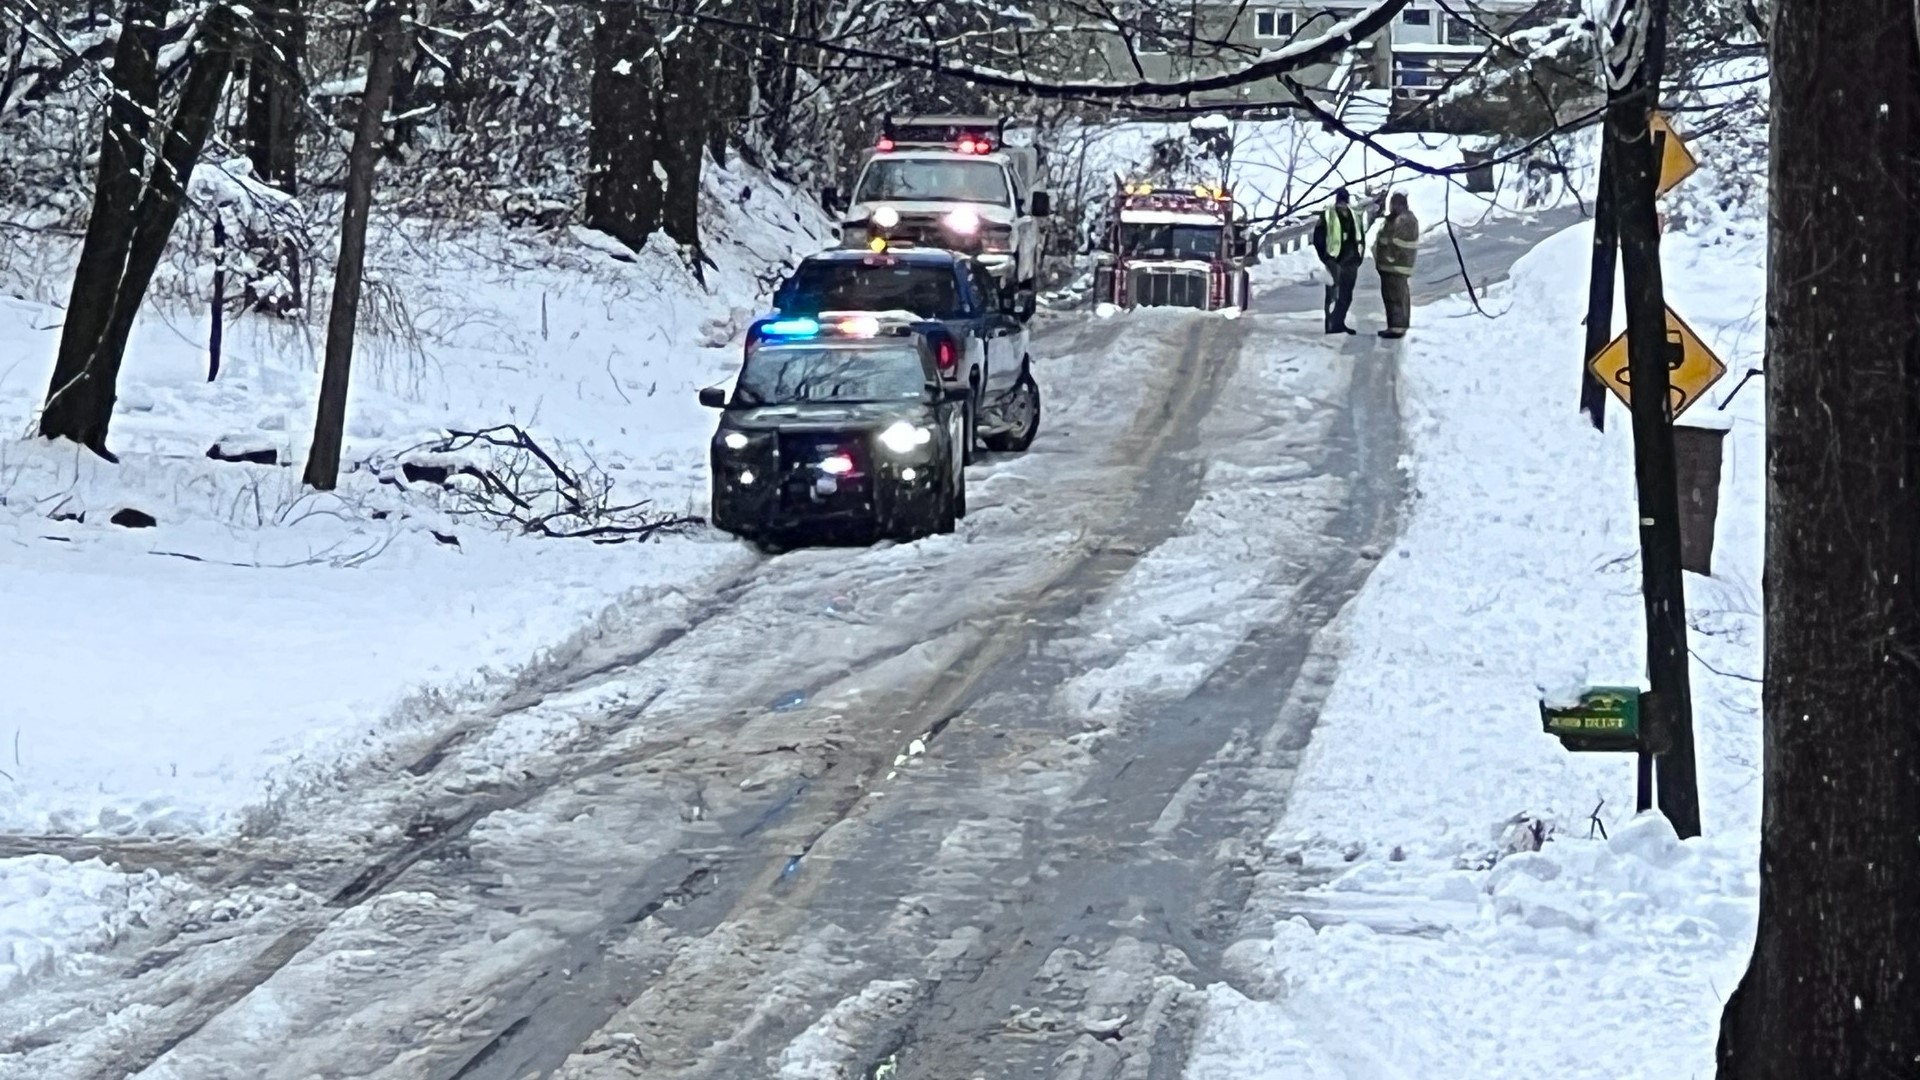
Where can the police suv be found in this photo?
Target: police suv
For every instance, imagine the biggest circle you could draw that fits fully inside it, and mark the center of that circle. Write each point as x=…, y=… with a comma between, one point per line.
x=838, y=425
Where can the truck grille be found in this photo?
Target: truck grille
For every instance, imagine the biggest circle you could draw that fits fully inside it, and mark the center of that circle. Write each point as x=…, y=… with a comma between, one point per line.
x=1167, y=288
x=801, y=452
x=928, y=233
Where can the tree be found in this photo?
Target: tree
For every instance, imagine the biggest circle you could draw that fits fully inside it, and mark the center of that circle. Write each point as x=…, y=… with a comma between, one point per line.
x=387, y=40
x=1833, y=988
x=276, y=92
x=623, y=190
x=135, y=205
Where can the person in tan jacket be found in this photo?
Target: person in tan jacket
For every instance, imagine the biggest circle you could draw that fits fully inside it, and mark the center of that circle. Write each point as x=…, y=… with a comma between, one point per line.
x=1394, y=249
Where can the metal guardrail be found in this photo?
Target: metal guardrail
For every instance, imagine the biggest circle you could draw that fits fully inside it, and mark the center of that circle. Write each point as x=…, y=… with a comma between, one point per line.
x=1297, y=232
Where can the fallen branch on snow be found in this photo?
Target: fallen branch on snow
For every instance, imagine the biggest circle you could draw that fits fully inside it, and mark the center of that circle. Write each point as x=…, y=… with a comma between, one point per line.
x=521, y=485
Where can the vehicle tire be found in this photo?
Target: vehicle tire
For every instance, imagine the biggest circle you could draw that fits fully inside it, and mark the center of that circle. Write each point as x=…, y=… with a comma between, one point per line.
x=972, y=449
x=946, y=513
x=771, y=544
x=960, y=495
x=1027, y=407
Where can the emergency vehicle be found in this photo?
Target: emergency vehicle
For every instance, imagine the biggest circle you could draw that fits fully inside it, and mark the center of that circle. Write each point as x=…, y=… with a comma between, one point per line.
x=838, y=425
x=952, y=182
x=1173, y=248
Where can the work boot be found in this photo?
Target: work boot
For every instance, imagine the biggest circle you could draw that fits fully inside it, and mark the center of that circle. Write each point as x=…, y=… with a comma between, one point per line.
x=1348, y=330
x=1393, y=334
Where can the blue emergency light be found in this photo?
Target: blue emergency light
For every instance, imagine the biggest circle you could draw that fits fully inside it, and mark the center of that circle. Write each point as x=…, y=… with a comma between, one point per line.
x=795, y=328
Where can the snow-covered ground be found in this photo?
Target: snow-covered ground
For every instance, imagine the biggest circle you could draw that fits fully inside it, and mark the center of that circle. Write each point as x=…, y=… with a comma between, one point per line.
x=269, y=644
x=261, y=639
x=1442, y=946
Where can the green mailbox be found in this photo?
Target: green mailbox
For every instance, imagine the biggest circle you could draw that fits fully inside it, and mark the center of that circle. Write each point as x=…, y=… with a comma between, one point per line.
x=1606, y=718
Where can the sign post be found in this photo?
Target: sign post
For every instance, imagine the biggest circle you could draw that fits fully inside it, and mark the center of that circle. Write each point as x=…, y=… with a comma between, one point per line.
x=1638, y=157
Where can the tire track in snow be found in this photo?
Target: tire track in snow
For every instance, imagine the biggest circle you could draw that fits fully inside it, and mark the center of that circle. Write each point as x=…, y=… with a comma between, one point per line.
x=439, y=829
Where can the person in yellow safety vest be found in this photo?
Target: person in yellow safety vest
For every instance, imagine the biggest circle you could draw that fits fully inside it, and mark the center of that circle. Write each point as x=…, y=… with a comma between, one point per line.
x=1340, y=238
x=1394, y=251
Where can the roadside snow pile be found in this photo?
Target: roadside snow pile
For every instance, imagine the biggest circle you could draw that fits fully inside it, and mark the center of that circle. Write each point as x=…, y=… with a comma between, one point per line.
x=1580, y=960
x=51, y=909
x=187, y=636
x=1451, y=939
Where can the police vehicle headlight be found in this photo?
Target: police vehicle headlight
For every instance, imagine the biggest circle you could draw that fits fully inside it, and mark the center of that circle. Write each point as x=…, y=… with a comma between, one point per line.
x=734, y=440
x=886, y=217
x=904, y=438
x=965, y=221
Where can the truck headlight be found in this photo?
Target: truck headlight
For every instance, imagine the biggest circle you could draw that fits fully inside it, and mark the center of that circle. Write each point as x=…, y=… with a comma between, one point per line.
x=886, y=217
x=903, y=438
x=965, y=221
x=998, y=239
x=734, y=440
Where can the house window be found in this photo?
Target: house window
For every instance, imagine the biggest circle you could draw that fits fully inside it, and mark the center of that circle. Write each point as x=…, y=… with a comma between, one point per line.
x=1272, y=24
x=1417, y=17
x=1462, y=32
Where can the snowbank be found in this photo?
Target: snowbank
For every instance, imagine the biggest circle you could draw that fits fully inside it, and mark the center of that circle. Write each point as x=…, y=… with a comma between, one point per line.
x=170, y=679
x=51, y=909
x=1444, y=944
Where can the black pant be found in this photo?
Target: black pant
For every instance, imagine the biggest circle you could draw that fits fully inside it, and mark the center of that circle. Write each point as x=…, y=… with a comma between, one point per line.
x=1340, y=294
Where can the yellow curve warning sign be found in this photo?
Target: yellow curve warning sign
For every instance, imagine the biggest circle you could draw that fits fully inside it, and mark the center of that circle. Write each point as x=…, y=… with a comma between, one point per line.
x=1676, y=161
x=1692, y=369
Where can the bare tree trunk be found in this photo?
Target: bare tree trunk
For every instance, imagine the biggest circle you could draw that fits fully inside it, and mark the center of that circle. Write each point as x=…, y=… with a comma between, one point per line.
x=387, y=40
x=276, y=90
x=623, y=188
x=159, y=207
x=1833, y=989
x=80, y=398
x=688, y=77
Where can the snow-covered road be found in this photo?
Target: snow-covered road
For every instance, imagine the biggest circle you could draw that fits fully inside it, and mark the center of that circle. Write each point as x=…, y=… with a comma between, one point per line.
x=956, y=807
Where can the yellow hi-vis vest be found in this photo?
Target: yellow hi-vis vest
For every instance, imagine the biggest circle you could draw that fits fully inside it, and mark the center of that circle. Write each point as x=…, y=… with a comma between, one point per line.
x=1336, y=234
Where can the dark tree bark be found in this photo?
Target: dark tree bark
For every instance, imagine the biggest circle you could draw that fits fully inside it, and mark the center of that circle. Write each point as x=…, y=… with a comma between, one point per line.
x=216, y=331
x=689, y=69
x=276, y=89
x=387, y=39
x=1833, y=989
x=80, y=398
x=160, y=204
x=623, y=189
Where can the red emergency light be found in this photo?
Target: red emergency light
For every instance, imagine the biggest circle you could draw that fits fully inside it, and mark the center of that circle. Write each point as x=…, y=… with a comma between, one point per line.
x=885, y=144
x=970, y=144
x=945, y=357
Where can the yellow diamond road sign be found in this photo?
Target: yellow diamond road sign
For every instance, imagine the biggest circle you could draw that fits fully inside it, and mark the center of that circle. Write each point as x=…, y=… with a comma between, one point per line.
x=1691, y=367
x=1676, y=161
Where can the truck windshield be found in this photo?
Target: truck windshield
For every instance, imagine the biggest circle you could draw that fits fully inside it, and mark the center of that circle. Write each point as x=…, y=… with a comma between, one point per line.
x=1170, y=241
x=933, y=180
x=927, y=290
x=791, y=374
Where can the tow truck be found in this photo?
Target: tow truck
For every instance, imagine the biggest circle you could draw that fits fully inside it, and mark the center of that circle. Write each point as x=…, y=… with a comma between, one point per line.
x=979, y=343
x=952, y=182
x=838, y=424
x=1173, y=248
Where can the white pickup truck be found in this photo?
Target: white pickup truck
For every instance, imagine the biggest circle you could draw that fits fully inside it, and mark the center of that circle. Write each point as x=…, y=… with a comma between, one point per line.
x=951, y=182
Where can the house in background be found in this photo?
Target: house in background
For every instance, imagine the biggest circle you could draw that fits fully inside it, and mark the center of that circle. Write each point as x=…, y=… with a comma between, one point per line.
x=1413, y=57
